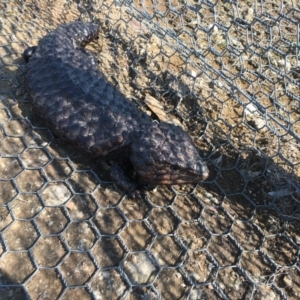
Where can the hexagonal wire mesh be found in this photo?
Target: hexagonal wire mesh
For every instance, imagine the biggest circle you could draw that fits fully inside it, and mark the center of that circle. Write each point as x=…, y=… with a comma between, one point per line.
x=228, y=72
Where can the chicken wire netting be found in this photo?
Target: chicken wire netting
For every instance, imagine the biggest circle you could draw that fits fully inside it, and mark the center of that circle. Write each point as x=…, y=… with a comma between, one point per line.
x=227, y=72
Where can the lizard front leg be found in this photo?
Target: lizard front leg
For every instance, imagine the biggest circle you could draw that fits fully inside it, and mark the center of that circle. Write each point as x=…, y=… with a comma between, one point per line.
x=123, y=176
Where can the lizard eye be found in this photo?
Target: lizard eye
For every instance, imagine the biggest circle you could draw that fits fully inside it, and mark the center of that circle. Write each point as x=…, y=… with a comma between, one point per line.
x=175, y=168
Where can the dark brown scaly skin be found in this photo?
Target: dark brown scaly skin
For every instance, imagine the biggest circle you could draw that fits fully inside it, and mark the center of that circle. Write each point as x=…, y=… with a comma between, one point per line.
x=81, y=106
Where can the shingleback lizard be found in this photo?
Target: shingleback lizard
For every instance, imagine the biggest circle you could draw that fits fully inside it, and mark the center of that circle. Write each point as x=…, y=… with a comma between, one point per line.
x=79, y=105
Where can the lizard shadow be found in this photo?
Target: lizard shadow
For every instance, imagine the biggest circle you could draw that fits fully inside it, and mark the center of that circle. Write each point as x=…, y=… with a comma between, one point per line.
x=246, y=174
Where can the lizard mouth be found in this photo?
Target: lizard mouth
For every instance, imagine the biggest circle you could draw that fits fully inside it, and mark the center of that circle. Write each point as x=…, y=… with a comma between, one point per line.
x=177, y=177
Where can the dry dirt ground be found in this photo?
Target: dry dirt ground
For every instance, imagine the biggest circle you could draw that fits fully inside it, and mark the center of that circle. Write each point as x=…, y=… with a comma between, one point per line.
x=226, y=72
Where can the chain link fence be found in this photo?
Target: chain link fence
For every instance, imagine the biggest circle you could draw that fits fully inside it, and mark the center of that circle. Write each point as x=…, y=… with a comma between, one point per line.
x=228, y=73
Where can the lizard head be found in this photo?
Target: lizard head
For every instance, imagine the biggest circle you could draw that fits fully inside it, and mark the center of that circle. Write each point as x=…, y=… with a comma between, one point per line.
x=165, y=154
